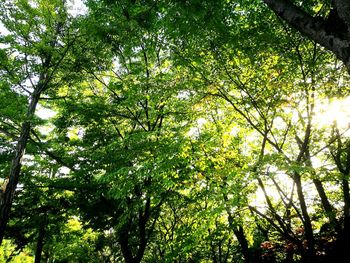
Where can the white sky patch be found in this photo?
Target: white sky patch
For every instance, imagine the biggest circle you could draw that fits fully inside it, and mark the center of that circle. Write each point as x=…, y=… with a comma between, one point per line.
x=46, y=129
x=77, y=8
x=316, y=162
x=279, y=123
x=234, y=131
x=195, y=131
x=3, y=30
x=44, y=113
x=183, y=94
x=64, y=170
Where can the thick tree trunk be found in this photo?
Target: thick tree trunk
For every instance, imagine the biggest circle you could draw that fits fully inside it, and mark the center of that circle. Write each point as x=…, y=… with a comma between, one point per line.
x=331, y=32
x=9, y=191
x=343, y=11
x=127, y=250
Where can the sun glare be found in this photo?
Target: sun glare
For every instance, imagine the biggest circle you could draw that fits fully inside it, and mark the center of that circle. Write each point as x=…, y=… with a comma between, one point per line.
x=332, y=112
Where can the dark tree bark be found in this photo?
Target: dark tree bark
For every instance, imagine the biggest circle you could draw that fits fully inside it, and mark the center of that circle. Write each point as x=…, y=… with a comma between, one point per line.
x=40, y=243
x=343, y=164
x=328, y=208
x=343, y=11
x=124, y=245
x=127, y=248
x=239, y=233
x=307, y=221
x=143, y=233
x=331, y=32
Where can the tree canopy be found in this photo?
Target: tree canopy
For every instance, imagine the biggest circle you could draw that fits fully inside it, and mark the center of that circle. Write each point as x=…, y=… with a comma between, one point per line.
x=174, y=131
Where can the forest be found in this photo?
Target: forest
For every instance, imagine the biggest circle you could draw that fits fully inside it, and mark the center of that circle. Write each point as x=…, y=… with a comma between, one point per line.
x=184, y=131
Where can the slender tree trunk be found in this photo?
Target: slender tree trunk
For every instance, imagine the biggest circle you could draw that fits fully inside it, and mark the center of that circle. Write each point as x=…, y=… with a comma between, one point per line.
x=344, y=240
x=40, y=243
x=239, y=233
x=325, y=203
x=307, y=221
x=346, y=197
x=124, y=237
x=9, y=192
x=124, y=245
x=143, y=218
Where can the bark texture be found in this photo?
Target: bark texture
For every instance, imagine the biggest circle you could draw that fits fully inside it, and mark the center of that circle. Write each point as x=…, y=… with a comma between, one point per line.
x=331, y=32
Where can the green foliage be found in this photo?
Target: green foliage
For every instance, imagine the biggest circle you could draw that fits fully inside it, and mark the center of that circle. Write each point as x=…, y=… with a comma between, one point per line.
x=182, y=131
x=8, y=251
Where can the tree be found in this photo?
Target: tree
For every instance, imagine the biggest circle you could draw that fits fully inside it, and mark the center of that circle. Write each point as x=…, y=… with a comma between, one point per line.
x=44, y=49
x=257, y=91
x=125, y=132
x=36, y=49
x=326, y=24
x=183, y=131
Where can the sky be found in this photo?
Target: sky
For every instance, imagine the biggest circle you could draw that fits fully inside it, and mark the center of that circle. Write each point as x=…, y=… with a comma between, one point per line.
x=77, y=7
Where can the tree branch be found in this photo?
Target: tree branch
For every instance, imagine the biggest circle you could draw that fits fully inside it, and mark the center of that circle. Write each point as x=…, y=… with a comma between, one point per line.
x=315, y=28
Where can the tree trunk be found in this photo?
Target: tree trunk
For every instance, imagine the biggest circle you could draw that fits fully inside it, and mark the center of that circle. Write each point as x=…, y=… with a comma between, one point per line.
x=307, y=221
x=40, y=244
x=346, y=197
x=127, y=251
x=124, y=245
x=326, y=204
x=143, y=218
x=239, y=233
x=343, y=242
x=9, y=192
x=332, y=32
